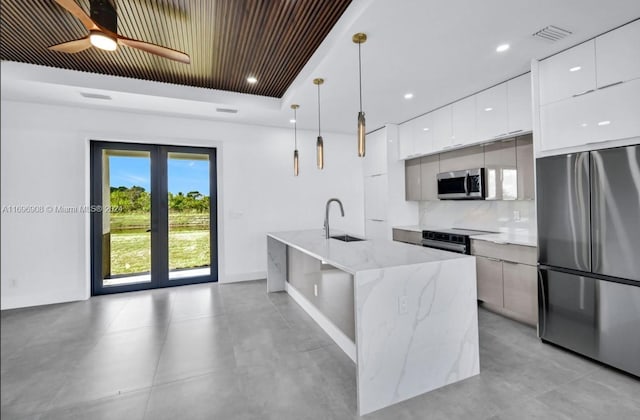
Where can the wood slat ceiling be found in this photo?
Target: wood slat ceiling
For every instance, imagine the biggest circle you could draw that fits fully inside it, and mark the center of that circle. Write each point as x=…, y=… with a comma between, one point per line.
x=228, y=40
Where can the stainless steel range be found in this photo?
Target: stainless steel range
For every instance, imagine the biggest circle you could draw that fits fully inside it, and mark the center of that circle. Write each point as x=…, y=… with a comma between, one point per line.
x=454, y=240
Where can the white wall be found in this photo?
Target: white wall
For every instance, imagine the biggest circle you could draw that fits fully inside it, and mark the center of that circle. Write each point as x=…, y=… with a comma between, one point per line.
x=45, y=152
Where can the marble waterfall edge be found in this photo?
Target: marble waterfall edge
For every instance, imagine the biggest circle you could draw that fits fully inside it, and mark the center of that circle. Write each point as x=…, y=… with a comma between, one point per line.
x=431, y=342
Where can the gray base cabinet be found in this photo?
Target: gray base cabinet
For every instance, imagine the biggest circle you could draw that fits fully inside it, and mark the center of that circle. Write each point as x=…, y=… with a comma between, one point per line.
x=408, y=236
x=507, y=279
x=520, y=289
x=490, y=280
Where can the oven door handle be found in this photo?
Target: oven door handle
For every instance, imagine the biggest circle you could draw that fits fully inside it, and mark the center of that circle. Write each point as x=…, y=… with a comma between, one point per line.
x=445, y=246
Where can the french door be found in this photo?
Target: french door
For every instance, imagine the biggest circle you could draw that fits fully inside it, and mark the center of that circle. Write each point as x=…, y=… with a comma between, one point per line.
x=154, y=220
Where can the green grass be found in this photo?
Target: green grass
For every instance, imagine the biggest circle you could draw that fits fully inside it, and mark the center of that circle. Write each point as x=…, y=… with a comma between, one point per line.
x=189, y=245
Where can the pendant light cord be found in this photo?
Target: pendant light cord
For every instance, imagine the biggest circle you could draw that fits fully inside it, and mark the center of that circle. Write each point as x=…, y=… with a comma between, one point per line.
x=318, y=109
x=360, y=72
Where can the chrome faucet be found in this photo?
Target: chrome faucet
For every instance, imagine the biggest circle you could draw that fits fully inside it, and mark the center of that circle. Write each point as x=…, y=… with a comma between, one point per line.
x=326, y=215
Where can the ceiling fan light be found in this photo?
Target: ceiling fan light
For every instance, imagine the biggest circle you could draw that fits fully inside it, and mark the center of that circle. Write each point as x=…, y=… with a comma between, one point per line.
x=104, y=42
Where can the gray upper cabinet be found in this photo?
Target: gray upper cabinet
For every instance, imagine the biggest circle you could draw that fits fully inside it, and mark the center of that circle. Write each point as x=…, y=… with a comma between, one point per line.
x=467, y=158
x=429, y=169
x=508, y=163
x=501, y=172
x=524, y=158
x=412, y=177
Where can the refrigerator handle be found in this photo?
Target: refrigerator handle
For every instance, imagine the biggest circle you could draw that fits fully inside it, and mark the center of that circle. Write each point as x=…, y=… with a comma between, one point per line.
x=542, y=315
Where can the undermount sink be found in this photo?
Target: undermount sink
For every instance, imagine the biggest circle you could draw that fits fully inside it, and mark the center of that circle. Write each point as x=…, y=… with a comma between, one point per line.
x=347, y=238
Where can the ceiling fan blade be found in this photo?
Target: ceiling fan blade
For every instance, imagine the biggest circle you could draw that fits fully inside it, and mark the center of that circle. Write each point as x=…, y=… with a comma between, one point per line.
x=72, y=46
x=72, y=7
x=155, y=49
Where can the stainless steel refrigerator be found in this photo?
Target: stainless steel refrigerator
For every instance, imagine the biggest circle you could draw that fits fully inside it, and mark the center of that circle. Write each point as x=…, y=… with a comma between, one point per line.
x=589, y=254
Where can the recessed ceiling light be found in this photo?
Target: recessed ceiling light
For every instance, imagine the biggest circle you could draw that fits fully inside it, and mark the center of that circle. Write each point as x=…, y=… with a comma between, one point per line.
x=408, y=95
x=252, y=80
x=604, y=123
x=583, y=125
x=292, y=121
x=576, y=68
x=502, y=48
x=426, y=129
x=488, y=109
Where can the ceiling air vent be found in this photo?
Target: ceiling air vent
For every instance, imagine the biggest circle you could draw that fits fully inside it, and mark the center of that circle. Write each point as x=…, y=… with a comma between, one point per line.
x=95, y=96
x=552, y=33
x=227, y=110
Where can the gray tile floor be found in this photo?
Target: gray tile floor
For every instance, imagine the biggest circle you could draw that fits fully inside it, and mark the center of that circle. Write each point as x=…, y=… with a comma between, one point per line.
x=234, y=352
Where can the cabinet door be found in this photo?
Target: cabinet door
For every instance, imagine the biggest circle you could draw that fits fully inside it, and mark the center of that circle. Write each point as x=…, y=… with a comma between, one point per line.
x=375, y=161
x=491, y=113
x=524, y=164
x=519, y=104
x=405, y=140
x=442, y=129
x=429, y=170
x=407, y=236
x=521, y=290
x=501, y=173
x=376, y=229
x=618, y=55
x=489, y=275
x=375, y=197
x=606, y=114
x=569, y=73
x=412, y=180
x=461, y=159
x=423, y=134
x=464, y=122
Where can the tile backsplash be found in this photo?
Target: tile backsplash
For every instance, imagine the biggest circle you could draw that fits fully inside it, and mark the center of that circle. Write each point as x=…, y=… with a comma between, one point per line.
x=498, y=216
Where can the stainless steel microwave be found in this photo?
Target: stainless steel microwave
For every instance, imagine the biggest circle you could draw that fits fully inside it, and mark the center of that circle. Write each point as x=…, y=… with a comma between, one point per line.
x=462, y=185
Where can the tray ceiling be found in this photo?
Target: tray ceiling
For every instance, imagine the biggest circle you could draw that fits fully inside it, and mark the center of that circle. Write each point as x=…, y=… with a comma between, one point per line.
x=228, y=40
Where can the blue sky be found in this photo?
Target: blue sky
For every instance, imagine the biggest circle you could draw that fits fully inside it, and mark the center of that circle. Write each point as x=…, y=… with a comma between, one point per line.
x=184, y=175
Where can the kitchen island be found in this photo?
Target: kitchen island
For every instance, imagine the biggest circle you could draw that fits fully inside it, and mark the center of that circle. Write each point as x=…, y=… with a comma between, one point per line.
x=406, y=315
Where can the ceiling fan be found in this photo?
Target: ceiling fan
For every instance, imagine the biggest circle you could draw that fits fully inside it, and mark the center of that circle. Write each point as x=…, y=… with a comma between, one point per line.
x=103, y=27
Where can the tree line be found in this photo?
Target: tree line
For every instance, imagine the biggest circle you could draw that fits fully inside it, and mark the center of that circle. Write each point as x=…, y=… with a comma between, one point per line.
x=136, y=198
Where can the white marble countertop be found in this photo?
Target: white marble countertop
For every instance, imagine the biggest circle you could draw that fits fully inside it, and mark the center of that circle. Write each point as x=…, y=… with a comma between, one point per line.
x=370, y=254
x=505, y=236
x=511, y=236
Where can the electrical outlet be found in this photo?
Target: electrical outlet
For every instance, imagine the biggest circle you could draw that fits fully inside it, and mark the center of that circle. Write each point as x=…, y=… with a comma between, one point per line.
x=315, y=290
x=516, y=215
x=402, y=305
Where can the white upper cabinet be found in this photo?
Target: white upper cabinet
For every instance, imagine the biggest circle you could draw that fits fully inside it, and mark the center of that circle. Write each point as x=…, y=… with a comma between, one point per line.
x=375, y=161
x=405, y=140
x=491, y=113
x=618, y=55
x=519, y=105
x=464, y=121
x=442, y=128
x=376, y=197
x=423, y=134
x=570, y=73
x=604, y=115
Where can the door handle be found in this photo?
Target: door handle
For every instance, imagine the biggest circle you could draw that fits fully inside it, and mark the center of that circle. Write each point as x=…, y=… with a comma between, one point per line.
x=466, y=184
x=610, y=85
x=583, y=93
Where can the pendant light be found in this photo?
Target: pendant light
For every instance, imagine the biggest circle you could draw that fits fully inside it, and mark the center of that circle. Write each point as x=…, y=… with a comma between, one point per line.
x=319, y=143
x=360, y=38
x=296, y=164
